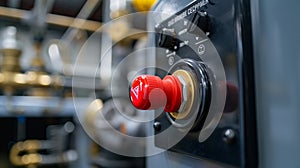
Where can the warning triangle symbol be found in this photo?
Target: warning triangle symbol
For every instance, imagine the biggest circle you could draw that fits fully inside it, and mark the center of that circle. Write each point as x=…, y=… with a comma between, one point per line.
x=135, y=92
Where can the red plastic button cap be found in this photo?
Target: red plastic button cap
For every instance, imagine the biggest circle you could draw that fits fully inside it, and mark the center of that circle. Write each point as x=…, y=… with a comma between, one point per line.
x=150, y=92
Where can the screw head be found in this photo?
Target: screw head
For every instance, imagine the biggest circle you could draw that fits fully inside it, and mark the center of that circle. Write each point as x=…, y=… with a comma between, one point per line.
x=229, y=136
x=157, y=126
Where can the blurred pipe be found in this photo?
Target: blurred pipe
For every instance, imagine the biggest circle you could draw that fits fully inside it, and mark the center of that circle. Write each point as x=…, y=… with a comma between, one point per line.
x=14, y=3
x=84, y=13
x=72, y=32
x=58, y=20
x=78, y=23
x=65, y=21
x=37, y=18
x=21, y=127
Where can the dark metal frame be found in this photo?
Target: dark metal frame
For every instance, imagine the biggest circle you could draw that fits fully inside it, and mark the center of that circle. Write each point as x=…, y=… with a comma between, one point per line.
x=246, y=79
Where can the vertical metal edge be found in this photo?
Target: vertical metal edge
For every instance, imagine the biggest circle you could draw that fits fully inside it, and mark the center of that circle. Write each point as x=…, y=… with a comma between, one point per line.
x=249, y=147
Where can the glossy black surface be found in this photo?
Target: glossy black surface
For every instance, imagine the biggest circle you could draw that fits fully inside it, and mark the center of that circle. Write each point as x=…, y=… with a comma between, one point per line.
x=229, y=30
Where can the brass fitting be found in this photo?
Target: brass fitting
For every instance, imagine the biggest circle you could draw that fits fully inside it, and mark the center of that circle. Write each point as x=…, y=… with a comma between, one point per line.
x=11, y=77
x=27, y=154
x=30, y=146
x=10, y=60
x=188, y=94
x=28, y=80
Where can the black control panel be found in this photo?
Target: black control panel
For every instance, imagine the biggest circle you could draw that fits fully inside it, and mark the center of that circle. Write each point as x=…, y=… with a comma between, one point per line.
x=204, y=37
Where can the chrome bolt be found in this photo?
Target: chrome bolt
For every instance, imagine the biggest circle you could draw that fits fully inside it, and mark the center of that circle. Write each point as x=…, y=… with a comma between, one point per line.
x=229, y=136
x=157, y=126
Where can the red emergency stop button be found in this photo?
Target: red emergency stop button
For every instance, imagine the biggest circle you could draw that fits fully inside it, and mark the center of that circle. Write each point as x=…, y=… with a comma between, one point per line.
x=150, y=92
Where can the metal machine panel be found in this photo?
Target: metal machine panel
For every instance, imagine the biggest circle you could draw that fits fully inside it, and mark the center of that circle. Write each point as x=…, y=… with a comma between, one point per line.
x=227, y=25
